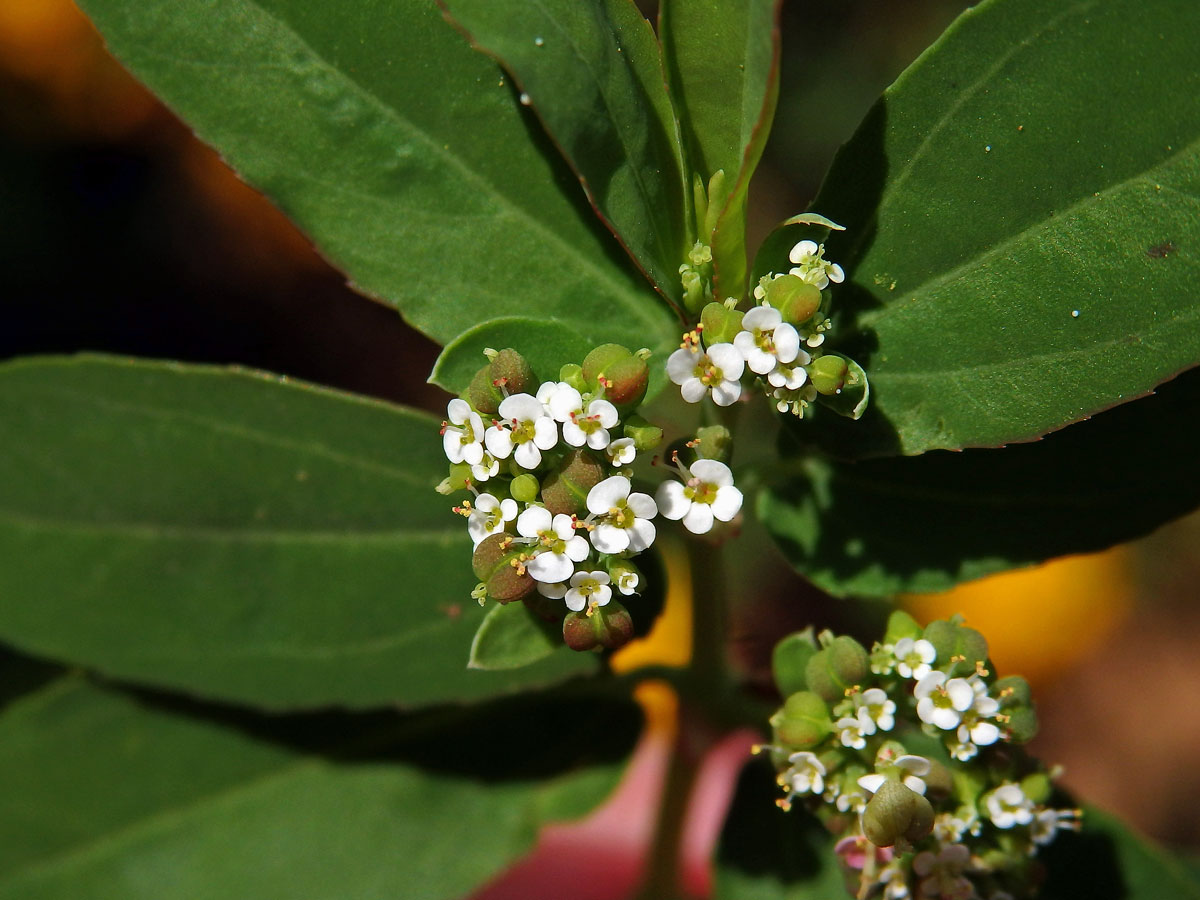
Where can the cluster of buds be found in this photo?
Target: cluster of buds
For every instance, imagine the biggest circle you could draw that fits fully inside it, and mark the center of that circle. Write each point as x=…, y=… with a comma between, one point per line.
x=553, y=512
x=779, y=342
x=910, y=756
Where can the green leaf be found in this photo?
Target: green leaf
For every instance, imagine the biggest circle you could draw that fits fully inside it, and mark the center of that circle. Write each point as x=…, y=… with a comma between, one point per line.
x=511, y=636
x=722, y=61
x=1023, y=215
x=593, y=74
x=914, y=524
x=103, y=795
x=1108, y=861
x=236, y=535
x=403, y=153
x=767, y=854
x=546, y=344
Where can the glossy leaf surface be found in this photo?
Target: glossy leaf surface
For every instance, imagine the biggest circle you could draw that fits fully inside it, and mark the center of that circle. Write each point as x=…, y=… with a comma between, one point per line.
x=547, y=345
x=237, y=536
x=401, y=151
x=1023, y=215
x=593, y=74
x=885, y=526
x=511, y=636
x=105, y=795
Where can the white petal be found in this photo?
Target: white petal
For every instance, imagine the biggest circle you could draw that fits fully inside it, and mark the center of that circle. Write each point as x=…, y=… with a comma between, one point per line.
x=801, y=250
x=671, y=501
x=605, y=495
x=521, y=407
x=682, y=364
x=609, y=538
x=545, y=433
x=564, y=526
x=871, y=783
x=508, y=509
x=577, y=548
x=458, y=410
x=472, y=454
x=787, y=342
x=836, y=274
x=535, y=519
x=961, y=694
x=727, y=358
x=575, y=600
x=761, y=318
x=744, y=342
x=605, y=412
x=528, y=456
x=453, y=445
x=602, y=595
x=573, y=434
x=726, y=393
x=566, y=400
x=550, y=567
x=699, y=519
x=598, y=439
x=692, y=390
x=643, y=505
x=499, y=442
x=641, y=535
x=758, y=361
x=712, y=471
x=984, y=734
x=555, y=591
x=727, y=502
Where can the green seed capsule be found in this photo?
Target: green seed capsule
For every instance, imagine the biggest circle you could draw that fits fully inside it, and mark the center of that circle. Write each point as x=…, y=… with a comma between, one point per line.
x=896, y=813
x=803, y=722
x=608, y=627
x=720, y=323
x=841, y=665
x=497, y=563
x=565, y=489
x=828, y=373
x=624, y=374
x=789, y=660
x=524, y=488
x=796, y=299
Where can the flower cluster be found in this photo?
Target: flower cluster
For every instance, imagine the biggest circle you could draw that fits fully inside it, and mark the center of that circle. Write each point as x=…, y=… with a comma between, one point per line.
x=910, y=756
x=778, y=342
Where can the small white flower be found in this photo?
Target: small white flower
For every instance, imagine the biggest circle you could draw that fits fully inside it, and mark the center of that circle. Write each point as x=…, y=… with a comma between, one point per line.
x=627, y=582
x=558, y=546
x=707, y=493
x=850, y=732
x=975, y=727
x=462, y=434
x=588, y=589
x=1007, y=806
x=942, y=703
x=489, y=516
x=915, y=766
x=1048, y=822
x=805, y=774
x=854, y=799
x=622, y=519
x=875, y=710
x=486, y=468
x=913, y=658
x=621, y=452
x=529, y=431
x=883, y=658
x=790, y=376
x=810, y=264
x=716, y=371
x=766, y=340
x=963, y=751
x=582, y=425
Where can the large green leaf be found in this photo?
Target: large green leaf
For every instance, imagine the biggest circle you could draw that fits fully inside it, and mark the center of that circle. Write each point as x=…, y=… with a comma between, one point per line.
x=545, y=343
x=722, y=59
x=1023, y=213
x=236, y=535
x=884, y=526
x=593, y=73
x=1108, y=861
x=107, y=796
x=401, y=151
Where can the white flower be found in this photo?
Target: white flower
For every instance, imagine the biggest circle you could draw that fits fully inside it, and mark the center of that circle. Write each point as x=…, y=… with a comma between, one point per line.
x=1049, y=822
x=805, y=774
x=627, y=582
x=580, y=426
x=1007, y=806
x=621, y=452
x=942, y=703
x=588, y=589
x=486, y=468
x=913, y=657
x=875, y=710
x=766, y=340
x=462, y=435
x=706, y=494
x=622, y=519
x=916, y=766
x=963, y=751
x=547, y=390
x=489, y=516
x=809, y=260
x=974, y=727
x=717, y=370
x=558, y=546
x=790, y=376
x=850, y=732
x=530, y=431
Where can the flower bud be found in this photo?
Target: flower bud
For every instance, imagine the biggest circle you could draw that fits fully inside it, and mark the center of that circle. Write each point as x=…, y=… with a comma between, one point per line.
x=625, y=374
x=842, y=664
x=896, y=813
x=828, y=373
x=951, y=640
x=789, y=659
x=714, y=442
x=508, y=367
x=625, y=576
x=901, y=625
x=608, y=627
x=565, y=489
x=803, y=722
x=644, y=435
x=497, y=563
x=524, y=488
x=720, y=324
x=796, y=299
x=572, y=374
